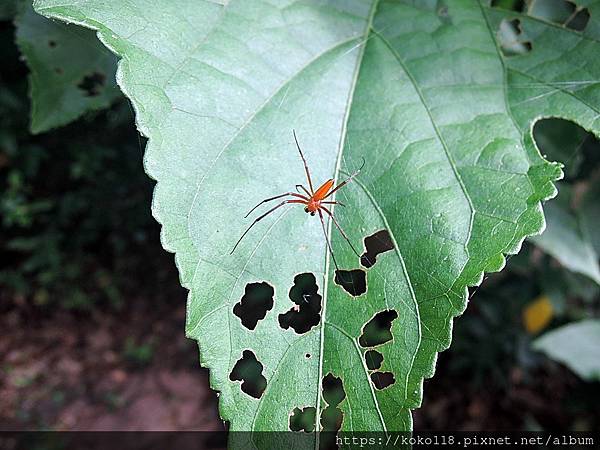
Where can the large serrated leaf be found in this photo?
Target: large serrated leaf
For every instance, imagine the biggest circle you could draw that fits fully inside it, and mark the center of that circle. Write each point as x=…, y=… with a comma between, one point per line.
x=421, y=90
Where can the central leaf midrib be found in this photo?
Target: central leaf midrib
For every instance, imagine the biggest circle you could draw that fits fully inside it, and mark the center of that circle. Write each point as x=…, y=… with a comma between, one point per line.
x=247, y=122
x=227, y=145
x=260, y=108
x=337, y=171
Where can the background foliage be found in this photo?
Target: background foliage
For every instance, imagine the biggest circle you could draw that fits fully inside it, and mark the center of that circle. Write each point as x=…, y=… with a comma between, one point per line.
x=73, y=209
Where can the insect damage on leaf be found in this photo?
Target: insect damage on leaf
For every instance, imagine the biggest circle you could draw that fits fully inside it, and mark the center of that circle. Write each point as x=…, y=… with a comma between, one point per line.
x=373, y=359
x=306, y=312
x=255, y=303
x=579, y=20
x=248, y=370
x=512, y=39
x=354, y=282
x=303, y=419
x=378, y=330
x=561, y=12
x=382, y=380
x=332, y=416
x=376, y=244
x=513, y=5
x=92, y=84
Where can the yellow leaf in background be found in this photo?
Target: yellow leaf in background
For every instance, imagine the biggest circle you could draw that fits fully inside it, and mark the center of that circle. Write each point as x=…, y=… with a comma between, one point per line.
x=538, y=314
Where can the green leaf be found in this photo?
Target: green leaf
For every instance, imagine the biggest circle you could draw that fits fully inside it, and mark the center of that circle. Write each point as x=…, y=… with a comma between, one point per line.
x=590, y=215
x=442, y=118
x=565, y=240
x=561, y=140
x=70, y=71
x=576, y=346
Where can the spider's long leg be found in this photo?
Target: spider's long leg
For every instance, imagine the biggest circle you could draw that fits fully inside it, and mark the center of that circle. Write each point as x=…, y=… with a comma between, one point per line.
x=275, y=198
x=334, y=203
x=327, y=240
x=258, y=219
x=312, y=190
x=346, y=181
x=304, y=189
x=339, y=227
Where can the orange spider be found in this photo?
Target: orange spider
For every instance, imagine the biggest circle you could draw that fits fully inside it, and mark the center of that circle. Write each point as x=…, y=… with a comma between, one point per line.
x=313, y=202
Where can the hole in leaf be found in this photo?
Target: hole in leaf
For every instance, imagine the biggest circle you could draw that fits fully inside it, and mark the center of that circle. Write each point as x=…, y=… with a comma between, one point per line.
x=443, y=12
x=248, y=370
x=331, y=417
x=308, y=355
x=333, y=390
x=513, y=41
x=377, y=331
x=381, y=380
x=512, y=5
x=565, y=141
x=560, y=12
x=257, y=300
x=51, y=43
x=331, y=422
x=579, y=21
x=374, y=359
x=92, y=84
x=376, y=244
x=306, y=313
x=354, y=282
x=303, y=419
x=557, y=11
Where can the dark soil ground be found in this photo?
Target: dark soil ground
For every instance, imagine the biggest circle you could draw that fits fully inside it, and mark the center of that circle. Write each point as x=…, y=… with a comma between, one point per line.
x=126, y=370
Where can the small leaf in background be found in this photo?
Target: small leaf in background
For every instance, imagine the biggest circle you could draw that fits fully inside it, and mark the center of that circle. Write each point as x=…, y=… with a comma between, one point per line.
x=590, y=215
x=565, y=241
x=71, y=72
x=576, y=345
x=538, y=314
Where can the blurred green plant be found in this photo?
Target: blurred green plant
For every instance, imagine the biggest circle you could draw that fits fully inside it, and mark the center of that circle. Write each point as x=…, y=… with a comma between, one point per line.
x=74, y=222
x=577, y=345
x=139, y=354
